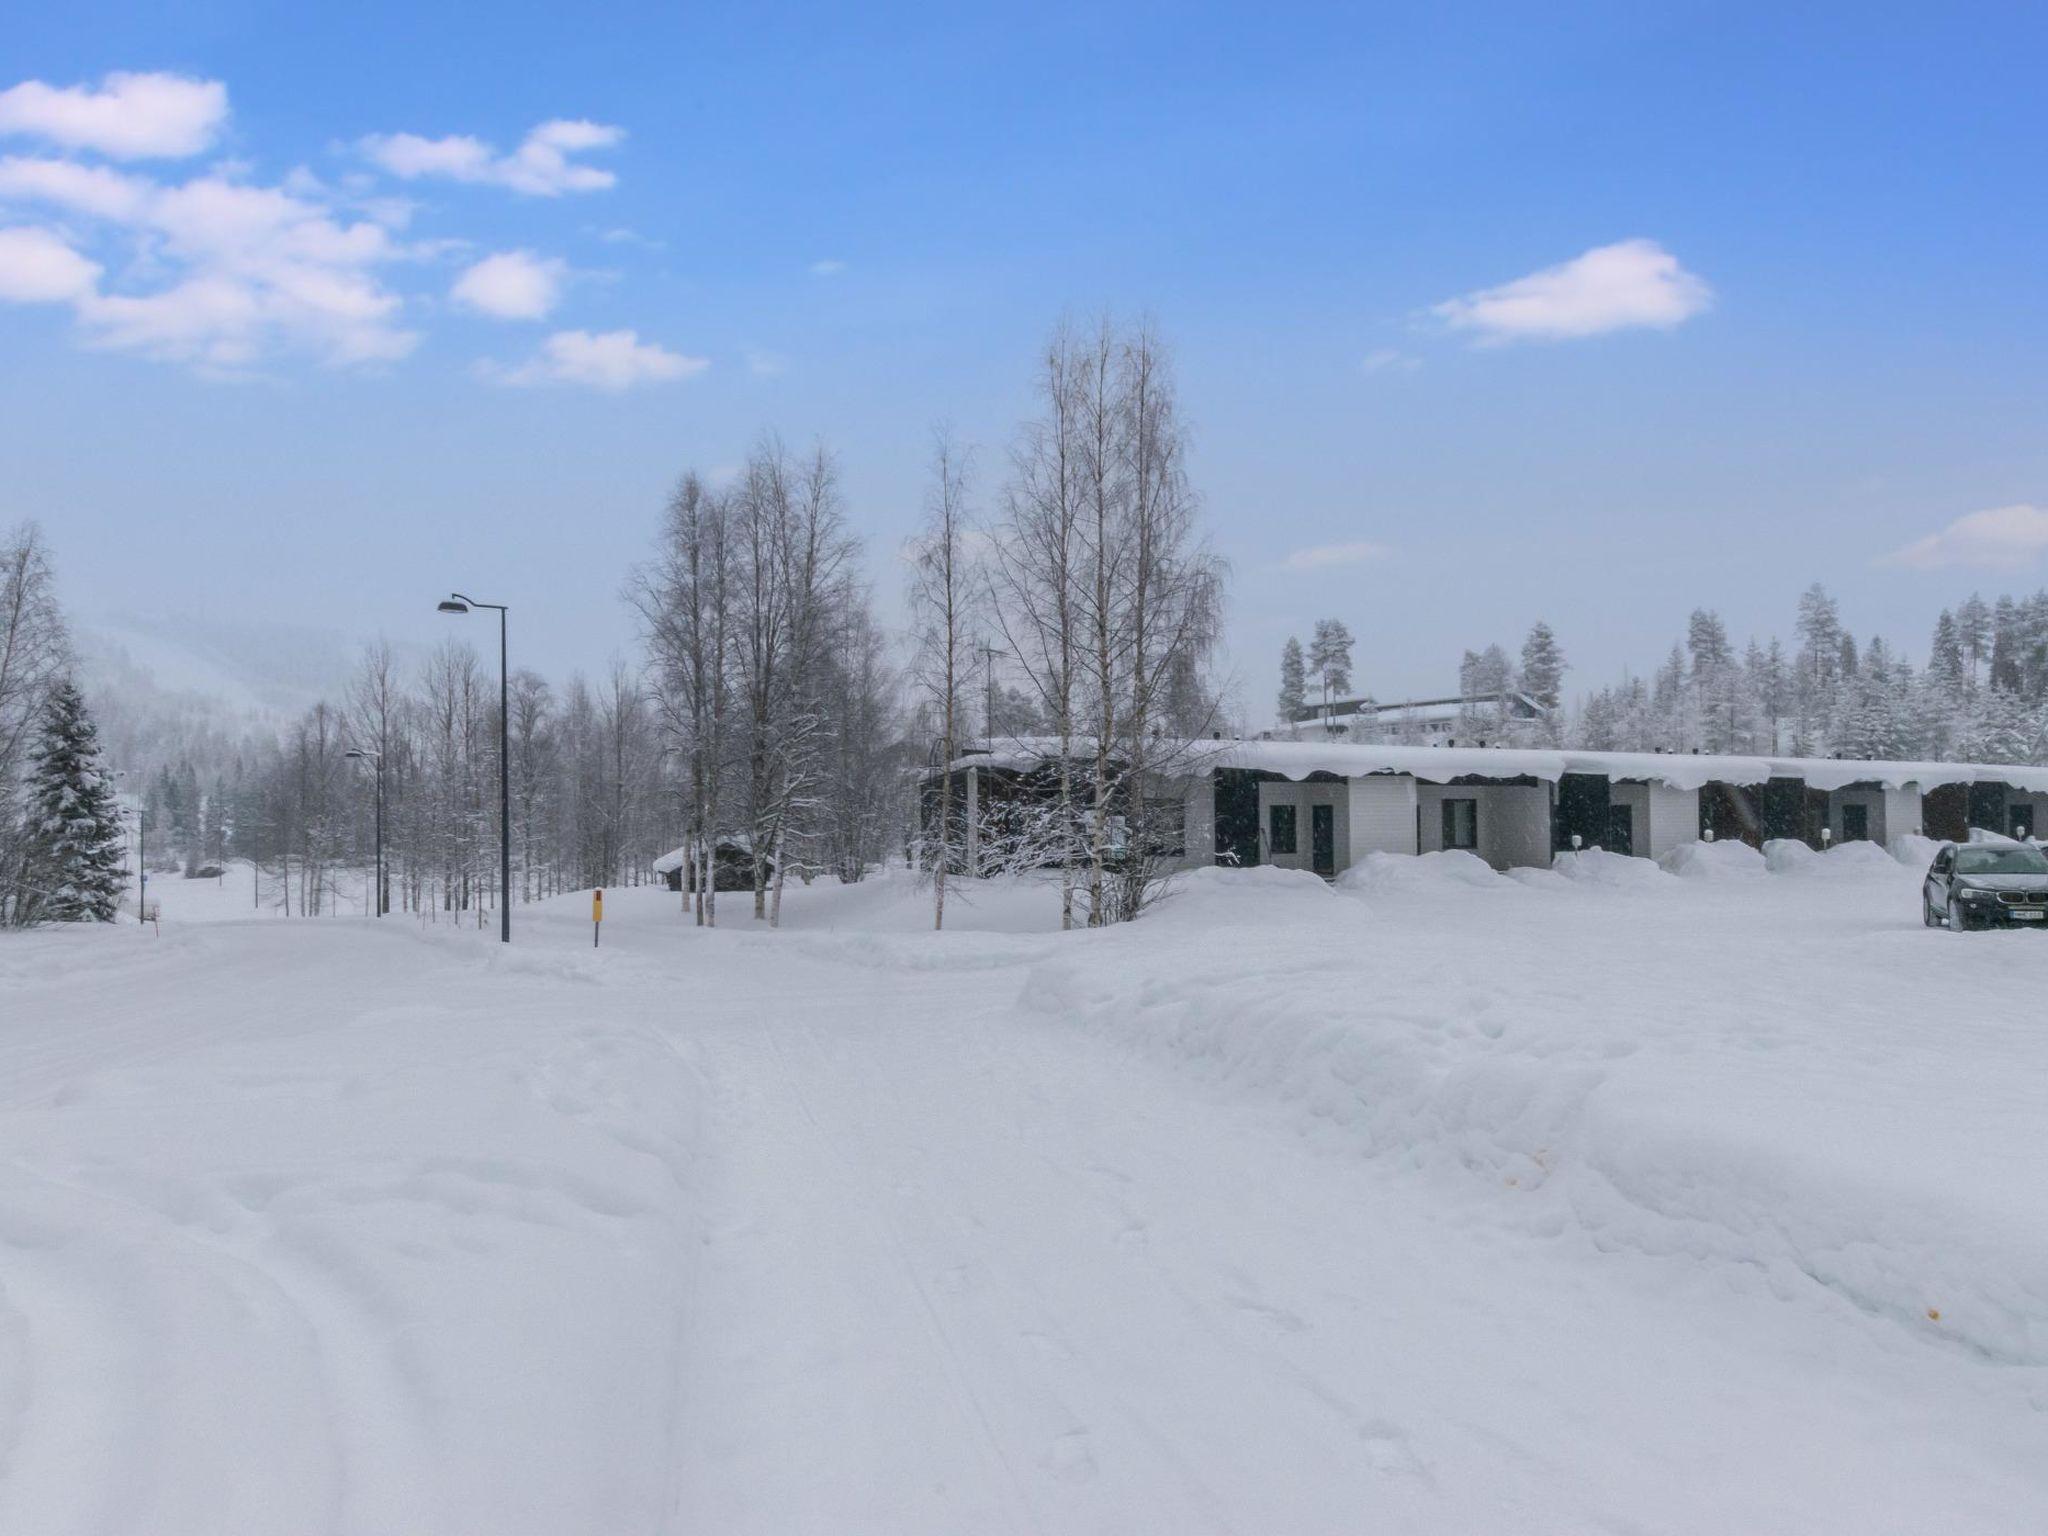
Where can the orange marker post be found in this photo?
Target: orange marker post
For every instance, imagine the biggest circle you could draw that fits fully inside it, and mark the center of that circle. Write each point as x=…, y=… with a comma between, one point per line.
x=596, y=915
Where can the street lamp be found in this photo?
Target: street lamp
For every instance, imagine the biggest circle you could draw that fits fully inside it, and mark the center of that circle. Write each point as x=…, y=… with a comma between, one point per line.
x=363, y=755
x=455, y=602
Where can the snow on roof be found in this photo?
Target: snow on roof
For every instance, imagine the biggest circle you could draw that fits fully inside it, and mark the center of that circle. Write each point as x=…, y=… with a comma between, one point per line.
x=676, y=858
x=1439, y=765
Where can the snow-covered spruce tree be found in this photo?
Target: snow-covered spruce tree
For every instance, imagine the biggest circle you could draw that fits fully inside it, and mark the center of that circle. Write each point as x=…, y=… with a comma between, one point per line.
x=75, y=870
x=1293, y=682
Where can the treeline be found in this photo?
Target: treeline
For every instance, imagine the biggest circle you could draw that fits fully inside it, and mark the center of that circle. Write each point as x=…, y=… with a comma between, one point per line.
x=1981, y=695
x=793, y=755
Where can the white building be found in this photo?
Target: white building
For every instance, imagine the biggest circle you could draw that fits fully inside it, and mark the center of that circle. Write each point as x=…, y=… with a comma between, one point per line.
x=1325, y=805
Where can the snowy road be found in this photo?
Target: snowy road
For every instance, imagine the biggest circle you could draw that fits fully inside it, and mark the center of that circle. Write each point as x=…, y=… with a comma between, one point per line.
x=859, y=1230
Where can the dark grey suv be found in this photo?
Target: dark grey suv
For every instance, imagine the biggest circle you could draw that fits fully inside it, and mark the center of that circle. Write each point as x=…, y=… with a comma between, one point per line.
x=1986, y=885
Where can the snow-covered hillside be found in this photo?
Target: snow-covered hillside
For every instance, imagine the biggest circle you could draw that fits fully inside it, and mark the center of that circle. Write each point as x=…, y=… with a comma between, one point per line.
x=1440, y=1202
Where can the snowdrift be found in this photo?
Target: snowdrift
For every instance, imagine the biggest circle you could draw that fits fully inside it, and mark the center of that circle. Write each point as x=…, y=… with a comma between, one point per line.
x=1844, y=861
x=1777, y=1115
x=1714, y=861
x=1914, y=851
x=1598, y=867
x=1451, y=870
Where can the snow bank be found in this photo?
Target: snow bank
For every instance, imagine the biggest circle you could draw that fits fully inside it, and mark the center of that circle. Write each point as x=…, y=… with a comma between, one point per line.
x=1713, y=861
x=1914, y=851
x=1752, y=1091
x=1844, y=861
x=1451, y=870
x=1598, y=867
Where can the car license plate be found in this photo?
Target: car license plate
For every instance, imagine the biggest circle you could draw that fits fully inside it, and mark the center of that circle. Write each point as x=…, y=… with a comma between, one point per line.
x=2026, y=915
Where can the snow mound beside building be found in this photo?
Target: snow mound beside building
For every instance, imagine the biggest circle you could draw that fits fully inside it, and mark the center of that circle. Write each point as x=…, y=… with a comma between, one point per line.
x=1452, y=869
x=1713, y=861
x=1596, y=866
x=1850, y=861
x=1914, y=851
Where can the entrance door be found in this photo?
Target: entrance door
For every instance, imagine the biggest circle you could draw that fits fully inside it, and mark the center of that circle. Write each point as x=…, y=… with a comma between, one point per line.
x=1621, y=830
x=1322, y=839
x=1581, y=810
x=2019, y=819
x=1855, y=823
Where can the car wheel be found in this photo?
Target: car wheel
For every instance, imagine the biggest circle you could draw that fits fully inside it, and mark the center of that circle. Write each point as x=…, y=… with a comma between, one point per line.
x=1958, y=921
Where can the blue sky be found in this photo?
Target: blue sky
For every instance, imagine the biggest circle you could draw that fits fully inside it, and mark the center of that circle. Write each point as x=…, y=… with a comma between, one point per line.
x=1814, y=339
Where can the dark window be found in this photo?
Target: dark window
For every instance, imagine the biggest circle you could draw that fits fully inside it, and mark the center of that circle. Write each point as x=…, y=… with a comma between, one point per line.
x=1461, y=823
x=1280, y=825
x=1621, y=830
x=1237, y=817
x=1855, y=823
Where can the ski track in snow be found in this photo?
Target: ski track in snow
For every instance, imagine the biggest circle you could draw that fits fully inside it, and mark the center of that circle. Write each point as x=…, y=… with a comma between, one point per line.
x=1603, y=1201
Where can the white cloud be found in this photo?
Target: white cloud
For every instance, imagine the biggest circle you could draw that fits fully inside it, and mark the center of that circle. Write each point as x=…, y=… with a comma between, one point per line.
x=241, y=269
x=37, y=267
x=540, y=167
x=613, y=360
x=87, y=189
x=827, y=268
x=2000, y=538
x=130, y=117
x=1321, y=557
x=1610, y=288
x=512, y=285
x=1388, y=360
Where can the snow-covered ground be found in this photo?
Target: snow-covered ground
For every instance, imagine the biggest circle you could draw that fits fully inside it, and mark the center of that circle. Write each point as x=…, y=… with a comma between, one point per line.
x=1598, y=1199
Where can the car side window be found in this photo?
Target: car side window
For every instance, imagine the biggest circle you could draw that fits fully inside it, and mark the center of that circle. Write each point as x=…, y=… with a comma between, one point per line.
x=1943, y=860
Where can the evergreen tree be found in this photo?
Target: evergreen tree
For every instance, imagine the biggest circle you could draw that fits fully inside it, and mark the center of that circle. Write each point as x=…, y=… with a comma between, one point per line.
x=1771, y=687
x=1329, y=657
x=1293, y=682
x=1973, y=629
x=2006, y=645
x=1543, y=666
x=75, y=861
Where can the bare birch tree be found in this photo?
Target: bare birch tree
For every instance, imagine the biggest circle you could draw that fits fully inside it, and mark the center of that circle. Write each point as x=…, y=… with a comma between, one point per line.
x=939, y=596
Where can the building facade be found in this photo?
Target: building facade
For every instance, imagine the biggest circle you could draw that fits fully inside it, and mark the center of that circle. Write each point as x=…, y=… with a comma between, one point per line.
x=1324, y=806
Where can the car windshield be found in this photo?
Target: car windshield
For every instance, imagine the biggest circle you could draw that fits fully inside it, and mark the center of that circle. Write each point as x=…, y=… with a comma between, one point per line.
x=2001, y=861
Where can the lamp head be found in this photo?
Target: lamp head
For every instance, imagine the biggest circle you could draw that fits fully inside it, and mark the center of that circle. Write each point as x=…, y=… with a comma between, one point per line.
x=451, y=605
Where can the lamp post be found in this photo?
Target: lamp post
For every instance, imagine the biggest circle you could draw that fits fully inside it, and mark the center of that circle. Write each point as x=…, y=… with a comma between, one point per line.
x=455, y=602
x=363, y=755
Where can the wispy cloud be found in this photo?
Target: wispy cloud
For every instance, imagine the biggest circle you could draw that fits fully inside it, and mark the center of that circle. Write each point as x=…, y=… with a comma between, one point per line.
x=540, y=167
x=1321, y=557
x=621, y=235
x=225, y=272
x=38, y=267
x=1631, y=284
x=1388, y=360
x=2000, y=538
x=243, y=268
x=512, y=285
x=129, y=116
x=610, y=360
